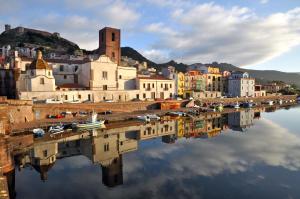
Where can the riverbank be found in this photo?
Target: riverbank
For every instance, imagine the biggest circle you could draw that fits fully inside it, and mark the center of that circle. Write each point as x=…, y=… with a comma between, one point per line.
x=17, y=114
x=124, y=119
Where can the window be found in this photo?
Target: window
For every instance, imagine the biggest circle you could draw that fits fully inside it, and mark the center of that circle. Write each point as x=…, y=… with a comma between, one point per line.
x=208, y=77
x=104, y=75
x=152, y=85
x=120, y=76
x=170, y=85
x=137, y=96
x=144, y=95
x=144, y=85
x=76, y=68
x=105, y=87
x=170, y=95
x=42, y=81
x=61, y=68
x=161, y=85
x=106, y=147
x=113, y=36
x=113, y=55
x=65, y=76
x=66, y=97
x=119, y=97
x=45, y=153
x=49, y=73
x=79, y=96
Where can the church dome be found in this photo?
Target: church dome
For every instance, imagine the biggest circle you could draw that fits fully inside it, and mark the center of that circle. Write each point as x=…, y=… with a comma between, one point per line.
x=39, y=63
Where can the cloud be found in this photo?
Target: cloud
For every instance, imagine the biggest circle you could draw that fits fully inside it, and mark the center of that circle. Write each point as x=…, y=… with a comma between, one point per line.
x=209, y=32
x=158, y=56
x=264, y=1
x=81, y=22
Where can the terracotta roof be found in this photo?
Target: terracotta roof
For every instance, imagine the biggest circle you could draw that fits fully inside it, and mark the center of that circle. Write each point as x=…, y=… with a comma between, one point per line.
x=70, y=85
x=39, y=63
x=155, y=77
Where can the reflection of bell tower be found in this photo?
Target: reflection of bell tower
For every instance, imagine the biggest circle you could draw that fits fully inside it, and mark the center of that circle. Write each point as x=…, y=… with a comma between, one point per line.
x=10, y=176
x=112, y=175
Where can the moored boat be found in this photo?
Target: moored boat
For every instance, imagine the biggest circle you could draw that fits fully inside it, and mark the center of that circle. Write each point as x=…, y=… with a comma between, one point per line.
x=92, y=123
x=247, y=105
x=237, y=105
x=143, y=118
x=38, y=132
x=220, y=108
x=56, y=129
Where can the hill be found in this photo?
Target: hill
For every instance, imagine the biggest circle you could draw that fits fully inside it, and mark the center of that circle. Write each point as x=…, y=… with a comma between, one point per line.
x=49, y=42
x=262, y=76
x=52, y=42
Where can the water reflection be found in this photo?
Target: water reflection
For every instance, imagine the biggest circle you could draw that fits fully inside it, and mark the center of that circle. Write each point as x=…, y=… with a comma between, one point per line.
x=153, y=169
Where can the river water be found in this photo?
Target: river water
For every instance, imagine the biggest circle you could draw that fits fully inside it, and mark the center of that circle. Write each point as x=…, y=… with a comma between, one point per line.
x=246, y=154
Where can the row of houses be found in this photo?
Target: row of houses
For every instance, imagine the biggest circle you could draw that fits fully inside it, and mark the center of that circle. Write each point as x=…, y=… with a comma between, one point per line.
x=106, y=75
x=210, y=82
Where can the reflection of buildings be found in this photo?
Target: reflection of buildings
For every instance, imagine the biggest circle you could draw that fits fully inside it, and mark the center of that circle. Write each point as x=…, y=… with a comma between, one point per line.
x=239, y=121
x=107, y=147
x=200, y=126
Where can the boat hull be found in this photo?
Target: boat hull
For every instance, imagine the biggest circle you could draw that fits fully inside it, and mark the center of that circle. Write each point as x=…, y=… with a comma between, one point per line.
x=89, y=125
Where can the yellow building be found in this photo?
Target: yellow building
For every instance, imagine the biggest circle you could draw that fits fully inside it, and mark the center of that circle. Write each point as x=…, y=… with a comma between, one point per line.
x=180, y=84
x=213, y=80
x=180, y=127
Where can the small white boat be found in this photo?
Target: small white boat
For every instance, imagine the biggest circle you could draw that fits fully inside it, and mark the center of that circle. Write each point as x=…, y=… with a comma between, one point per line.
x=56, y=129
x=143, y=117
x=92, y=123
x=237, y=105
x=280, y=102
x=177, y=113
x=38, y=132
x=153, y=117
x=270, y=102
x=53, y=101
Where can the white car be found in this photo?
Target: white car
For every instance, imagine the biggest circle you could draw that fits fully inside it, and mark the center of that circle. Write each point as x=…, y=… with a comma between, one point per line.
x=53, y=101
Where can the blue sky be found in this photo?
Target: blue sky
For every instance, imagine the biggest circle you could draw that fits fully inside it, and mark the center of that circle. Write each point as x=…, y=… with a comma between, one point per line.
x=258, y=34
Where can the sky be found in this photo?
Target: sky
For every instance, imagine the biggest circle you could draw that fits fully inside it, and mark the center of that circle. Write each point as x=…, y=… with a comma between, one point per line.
x=255, y=34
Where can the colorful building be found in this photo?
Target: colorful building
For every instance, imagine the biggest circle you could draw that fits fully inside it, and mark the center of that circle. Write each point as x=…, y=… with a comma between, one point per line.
x=180, y=84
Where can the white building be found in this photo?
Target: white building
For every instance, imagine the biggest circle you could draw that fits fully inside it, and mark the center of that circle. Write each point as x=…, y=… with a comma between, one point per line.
x=241, y=120
x=240, y=85
x=155, y=87
x=38, y=77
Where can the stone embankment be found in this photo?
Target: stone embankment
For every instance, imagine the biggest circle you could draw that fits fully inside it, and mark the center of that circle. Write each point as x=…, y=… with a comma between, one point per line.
x=17, y=114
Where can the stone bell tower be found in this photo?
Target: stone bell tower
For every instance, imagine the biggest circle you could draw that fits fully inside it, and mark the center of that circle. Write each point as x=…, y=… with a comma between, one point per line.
x=109, y=43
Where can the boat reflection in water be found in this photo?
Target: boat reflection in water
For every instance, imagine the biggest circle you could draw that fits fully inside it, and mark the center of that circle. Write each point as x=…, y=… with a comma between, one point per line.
x=107, y=147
